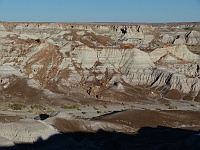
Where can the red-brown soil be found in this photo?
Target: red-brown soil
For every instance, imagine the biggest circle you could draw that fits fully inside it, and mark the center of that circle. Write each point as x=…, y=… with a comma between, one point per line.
x=149, y=118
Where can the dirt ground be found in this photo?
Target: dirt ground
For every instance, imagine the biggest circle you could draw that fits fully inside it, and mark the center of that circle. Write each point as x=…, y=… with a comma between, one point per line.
x=6, y=119
x=149, y=118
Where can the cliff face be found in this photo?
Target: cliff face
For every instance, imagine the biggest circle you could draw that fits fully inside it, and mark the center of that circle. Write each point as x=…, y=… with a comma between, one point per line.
x=163, y=57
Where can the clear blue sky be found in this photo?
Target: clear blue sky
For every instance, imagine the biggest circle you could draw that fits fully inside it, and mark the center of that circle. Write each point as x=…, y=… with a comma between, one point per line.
x=100, y=10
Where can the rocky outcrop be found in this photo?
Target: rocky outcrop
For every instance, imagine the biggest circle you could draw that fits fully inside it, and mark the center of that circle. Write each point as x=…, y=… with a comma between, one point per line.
x=193, y=38
x=167, y=80
x=180, y=53
x=26, y=131
x=6, y=143
x=180, y=40
x=167, y=38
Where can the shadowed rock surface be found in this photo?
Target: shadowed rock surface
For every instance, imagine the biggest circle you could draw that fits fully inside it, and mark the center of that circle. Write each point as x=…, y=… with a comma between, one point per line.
x=146, y=138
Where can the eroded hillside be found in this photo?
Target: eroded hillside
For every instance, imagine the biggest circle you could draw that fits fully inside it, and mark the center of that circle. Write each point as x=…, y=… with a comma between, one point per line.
x=162, y=58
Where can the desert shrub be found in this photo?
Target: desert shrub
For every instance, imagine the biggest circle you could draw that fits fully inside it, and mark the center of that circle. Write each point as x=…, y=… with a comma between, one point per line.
x=38, y=107
x=173, y=107
x=98, y=112
x=105, y=106
x=96, y=108
x=193, y=105
x=69, y=106
x=167, y=104
x=17, y=106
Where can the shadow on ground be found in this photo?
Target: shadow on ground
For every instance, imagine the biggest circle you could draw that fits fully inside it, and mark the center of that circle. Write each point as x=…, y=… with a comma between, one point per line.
x=160, y=138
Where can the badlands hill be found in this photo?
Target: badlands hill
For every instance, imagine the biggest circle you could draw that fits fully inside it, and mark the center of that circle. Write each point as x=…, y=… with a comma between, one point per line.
x=96, y=69
x=61, y=56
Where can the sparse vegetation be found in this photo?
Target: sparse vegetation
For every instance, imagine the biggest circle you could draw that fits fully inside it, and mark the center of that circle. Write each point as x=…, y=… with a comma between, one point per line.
x=38, y=107
x=30, y=111
x=98, y=112
x=84, y=112
x=17, y=106
x=50, y=109
x=193, y=105
x=105, y=106
x=69, y=107
x=167, y=104
x=158, y=109
x=173, y=107
x=96, y=108
x=132, y=106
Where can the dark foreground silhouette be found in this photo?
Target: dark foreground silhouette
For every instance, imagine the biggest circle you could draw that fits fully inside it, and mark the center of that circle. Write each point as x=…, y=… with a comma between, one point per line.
x=160, y=138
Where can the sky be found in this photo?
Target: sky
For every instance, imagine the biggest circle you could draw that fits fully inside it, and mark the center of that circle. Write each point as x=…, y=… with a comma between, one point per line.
x=149, y=11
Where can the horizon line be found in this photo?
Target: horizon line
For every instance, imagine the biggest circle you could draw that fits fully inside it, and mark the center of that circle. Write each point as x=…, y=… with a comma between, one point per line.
x=100, y=22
